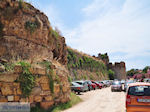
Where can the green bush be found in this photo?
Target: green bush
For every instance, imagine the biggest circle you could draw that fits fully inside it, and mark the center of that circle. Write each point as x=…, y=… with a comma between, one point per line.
x=55, y=33
x=32, y=26
x=69, y=79
x=26, y=79
x=111, y=74
x=49, y=73
x=83, y=62
x=145, y=69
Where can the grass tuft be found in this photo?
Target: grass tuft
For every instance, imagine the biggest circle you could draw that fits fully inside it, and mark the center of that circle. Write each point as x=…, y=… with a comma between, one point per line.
x=74, y=100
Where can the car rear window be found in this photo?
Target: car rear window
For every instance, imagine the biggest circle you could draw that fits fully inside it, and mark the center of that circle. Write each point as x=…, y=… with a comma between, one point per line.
x=139, y=90
x=80, y=83
x=116, y=83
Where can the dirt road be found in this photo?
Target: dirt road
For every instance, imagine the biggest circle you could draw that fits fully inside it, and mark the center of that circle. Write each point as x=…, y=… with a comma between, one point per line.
x=100, y=101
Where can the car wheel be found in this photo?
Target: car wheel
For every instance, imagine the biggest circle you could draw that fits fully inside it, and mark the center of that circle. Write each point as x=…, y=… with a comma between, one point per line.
x=89, y=89
x=78, y=92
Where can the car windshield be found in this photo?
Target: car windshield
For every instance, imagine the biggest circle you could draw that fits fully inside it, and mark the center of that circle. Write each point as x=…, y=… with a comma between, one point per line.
x=116, y=83
x=139, y=90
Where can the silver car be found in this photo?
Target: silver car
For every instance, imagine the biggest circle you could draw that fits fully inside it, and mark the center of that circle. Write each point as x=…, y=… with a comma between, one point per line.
x=116, y=86
x=84, y=84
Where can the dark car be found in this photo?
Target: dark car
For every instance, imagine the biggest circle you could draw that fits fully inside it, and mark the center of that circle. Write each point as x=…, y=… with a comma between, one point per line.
x=75, y=87
x=116, y=86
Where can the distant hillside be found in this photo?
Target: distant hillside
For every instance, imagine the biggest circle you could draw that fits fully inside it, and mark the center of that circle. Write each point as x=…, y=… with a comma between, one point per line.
x=83, y=66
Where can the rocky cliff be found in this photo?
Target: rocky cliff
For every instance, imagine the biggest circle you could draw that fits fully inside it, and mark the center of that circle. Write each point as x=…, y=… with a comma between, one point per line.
x=32, y=57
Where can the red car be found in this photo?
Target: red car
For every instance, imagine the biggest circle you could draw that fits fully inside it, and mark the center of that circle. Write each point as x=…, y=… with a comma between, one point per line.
x=94, y=86
x=97, y=84
x=101, y=84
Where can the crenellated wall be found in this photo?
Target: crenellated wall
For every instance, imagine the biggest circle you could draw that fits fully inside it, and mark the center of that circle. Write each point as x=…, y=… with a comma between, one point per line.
x=119, y=69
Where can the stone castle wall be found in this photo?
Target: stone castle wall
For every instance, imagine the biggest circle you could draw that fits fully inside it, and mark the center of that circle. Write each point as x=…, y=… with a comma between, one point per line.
x=119, y=69
x=10, y=90
x=25, y=33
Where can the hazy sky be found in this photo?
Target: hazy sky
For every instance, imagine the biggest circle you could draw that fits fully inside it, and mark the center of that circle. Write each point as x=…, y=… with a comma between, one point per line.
x=119, y=27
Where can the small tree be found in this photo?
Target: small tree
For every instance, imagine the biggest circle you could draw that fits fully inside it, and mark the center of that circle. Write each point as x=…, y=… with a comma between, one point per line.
x=145, y=69
x=111, y=74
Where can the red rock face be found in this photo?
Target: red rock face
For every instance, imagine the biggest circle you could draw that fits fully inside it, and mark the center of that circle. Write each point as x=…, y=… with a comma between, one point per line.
x=26, y=33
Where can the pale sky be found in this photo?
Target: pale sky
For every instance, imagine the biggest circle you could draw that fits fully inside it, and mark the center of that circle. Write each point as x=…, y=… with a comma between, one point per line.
x=119, y=27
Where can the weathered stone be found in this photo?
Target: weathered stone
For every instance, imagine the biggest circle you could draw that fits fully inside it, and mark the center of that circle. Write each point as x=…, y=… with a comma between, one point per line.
x=18, y=69
x=6, y=89
x=36, y=91
x=48, y=98
x=40, y=71
x=56, y=88
x=3, y=50
x=10, y=98
x=31, y=99
x=16, y=85
x=2, y=68
x=37, y=98
x=3, y=99
x=46, y=105
x=3, y=61
x=45, y=93
x=119, y=68
x=40, y=44
x=42, y=79
x=57, y=101
x=64, y=89
x=24, y=100
x=16, y=98
x=8, y=77
x=19, y=92
x=45, y=87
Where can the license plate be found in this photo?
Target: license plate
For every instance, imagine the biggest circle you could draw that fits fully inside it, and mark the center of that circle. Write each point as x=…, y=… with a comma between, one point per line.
x=144, y=100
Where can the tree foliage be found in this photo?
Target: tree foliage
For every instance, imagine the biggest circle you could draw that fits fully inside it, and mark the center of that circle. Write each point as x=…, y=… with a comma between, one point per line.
x=132, y=72
x=145, y=69
x=111, y=74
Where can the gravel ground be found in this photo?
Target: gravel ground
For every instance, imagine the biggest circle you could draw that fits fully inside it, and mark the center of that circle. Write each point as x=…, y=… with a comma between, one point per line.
x=100, y=100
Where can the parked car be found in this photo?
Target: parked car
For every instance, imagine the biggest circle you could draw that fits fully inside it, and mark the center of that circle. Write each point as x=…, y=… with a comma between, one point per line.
x=101, y=83
x=84, y=84
x=89, y=84
x=75, y=87
x=116, y=86
x=122, y=81
x=106, y=83
x=127, y=83
x=94, y=86
x=97, y=84
x=147, y=80
x=138, y=97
